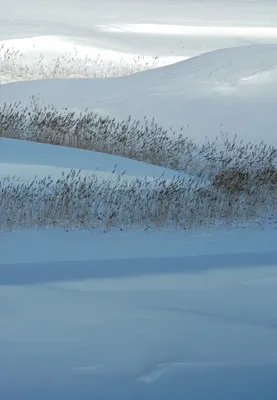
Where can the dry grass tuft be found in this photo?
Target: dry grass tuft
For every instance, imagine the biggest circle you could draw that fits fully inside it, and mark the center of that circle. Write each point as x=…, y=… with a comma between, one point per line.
x=90, y=201
x=232, y=180
x=16, y=66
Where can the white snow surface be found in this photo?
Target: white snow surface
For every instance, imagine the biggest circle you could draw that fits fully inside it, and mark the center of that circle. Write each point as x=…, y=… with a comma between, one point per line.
x=27, y=160
x=230, y=90
x=179, y=28
x=138, y=315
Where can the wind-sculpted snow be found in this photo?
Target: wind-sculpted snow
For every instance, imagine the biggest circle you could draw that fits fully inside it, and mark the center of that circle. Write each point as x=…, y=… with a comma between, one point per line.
x=230, y=90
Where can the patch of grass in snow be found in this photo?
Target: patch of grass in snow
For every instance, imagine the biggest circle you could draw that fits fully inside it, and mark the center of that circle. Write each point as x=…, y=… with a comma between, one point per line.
x=91, y=201
x=144, y=141
x=16, y=66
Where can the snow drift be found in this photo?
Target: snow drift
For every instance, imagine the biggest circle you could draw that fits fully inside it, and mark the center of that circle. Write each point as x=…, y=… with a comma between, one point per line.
x=230, y=90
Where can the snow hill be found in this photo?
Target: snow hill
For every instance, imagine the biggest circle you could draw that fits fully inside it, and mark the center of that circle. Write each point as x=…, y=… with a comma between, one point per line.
x=231, y=90
x=179, y=28
x=29, y=159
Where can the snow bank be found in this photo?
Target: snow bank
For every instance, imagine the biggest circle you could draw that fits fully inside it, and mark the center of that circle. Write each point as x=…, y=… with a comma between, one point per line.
x=231, y=90
x=29, y=159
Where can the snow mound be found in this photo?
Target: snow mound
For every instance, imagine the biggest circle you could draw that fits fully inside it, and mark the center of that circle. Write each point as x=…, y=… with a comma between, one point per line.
x=232, y=89
x=49, y=56
x=224, y=66
x=28, y=159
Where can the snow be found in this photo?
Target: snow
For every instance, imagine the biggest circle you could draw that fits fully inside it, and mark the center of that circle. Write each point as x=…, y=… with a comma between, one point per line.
x=231, y=90
x=117, y=325
x=123, y=29
x=94, y=245
x=80, y=23
x=141, y=314
x=28, y=159
x=53, y=47
x=190, y=30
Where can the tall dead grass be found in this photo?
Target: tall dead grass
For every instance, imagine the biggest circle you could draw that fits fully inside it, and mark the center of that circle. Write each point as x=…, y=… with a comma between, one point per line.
x=16, y=66
x=91, y=201
x=242, y=176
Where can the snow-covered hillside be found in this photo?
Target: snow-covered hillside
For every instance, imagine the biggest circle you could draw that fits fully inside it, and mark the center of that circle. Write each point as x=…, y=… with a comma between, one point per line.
x=139, y=27
x=231, y=90
x=29, y=159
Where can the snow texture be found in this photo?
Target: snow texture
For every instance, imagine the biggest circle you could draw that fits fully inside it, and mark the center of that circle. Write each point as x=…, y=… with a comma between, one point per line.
x=140, y=315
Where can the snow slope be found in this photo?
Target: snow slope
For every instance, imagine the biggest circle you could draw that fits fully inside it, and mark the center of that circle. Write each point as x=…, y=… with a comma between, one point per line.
x=29, y=159
x=126, y=34
x=231, y=90
x=138, y=27
x=103, y=323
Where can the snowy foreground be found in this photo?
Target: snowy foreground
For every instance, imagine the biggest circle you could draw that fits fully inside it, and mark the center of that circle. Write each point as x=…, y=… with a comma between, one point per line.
x=138, y=315
x=133, y=314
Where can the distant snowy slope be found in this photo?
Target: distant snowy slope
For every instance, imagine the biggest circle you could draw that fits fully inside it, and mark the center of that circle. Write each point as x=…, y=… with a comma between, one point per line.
x=28, y=159
x=167, y=28
x=233, y=90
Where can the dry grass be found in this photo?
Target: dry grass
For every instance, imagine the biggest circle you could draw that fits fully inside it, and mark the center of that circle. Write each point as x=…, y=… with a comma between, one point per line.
x=242, y=181
x=244, y=176
x=90, y=201
x=16, y=66
x=232, y=180
x=144, y=141
x=140, y=140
